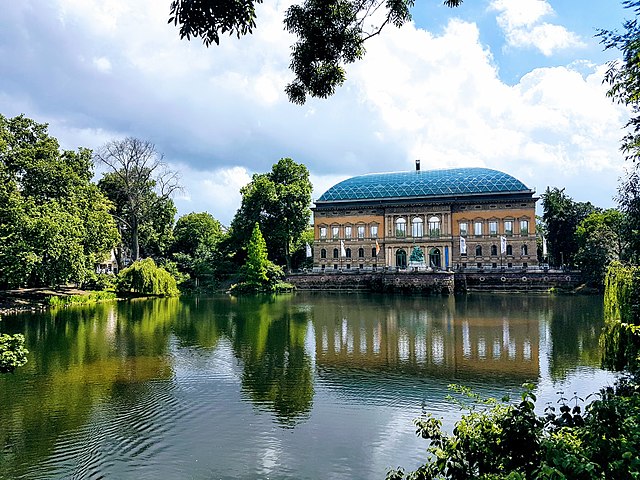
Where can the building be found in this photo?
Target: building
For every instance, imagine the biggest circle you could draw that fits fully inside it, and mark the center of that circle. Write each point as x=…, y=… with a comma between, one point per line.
x=461, y=218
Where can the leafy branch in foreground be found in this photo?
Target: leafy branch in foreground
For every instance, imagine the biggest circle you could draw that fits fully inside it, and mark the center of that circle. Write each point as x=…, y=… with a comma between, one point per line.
x=330, y=33
x=507, y=441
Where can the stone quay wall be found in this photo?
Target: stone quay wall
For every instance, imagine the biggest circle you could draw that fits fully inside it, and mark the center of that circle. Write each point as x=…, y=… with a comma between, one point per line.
x=440, y=283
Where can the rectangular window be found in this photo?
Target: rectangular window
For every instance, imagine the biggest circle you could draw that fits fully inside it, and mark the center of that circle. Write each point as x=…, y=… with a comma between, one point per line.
x=477, y=229
x=360, y=231
x=524, y=227
x=401, y=229
x=479, y=264
x=323, y=232
x=508, y=228
x=335, y=231
x=493, y=228
x=347, y=232
x=416, y=229
x=464, y=229
x=374, y=231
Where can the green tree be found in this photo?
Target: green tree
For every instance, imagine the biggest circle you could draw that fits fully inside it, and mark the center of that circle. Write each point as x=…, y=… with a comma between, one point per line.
x=195, y=249
x=145, y=278
x=140, y=184
x=55, y=225
x=561, y=216
x=600, y=241
x=279, y=202
x=330, y=33
x=623, y=78
x=255, y=268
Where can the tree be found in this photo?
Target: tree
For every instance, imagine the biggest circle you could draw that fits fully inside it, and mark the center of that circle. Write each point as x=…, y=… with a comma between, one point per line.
x=279, y=202
x=331, y=33
x=600, y=241
x=141, y=185
x=145, y=278
x=55, y=225
x=255, y=268
x=561, y=216
x=623, y=78
x=195, y=248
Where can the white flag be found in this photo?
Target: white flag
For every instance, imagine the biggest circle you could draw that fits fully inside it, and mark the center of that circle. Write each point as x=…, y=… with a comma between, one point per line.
x=343, y=252
x=308, y=250
x=544, y=247
x=463, y=246
x=503, y=244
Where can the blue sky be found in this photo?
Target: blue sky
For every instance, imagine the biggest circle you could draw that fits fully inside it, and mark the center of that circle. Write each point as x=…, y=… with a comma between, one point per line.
x=514, y=85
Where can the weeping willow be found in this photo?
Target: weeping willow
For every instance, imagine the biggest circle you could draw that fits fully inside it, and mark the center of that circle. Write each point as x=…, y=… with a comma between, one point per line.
x=621, y=334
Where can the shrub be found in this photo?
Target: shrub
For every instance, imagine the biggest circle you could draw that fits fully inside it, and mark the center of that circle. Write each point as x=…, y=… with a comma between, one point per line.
x=12, y=352
x=143, y=277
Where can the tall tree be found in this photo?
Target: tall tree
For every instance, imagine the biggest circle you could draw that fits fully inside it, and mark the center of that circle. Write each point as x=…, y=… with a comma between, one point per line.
x=623, y=78
x=561, y=216
x=331, y=33
x=279, y=202
x=55, y=225
x=600, y=241
x=141, y=185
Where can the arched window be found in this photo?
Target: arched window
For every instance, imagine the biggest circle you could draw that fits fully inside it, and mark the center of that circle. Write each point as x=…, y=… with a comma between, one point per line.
x=361, y=253
x=434, y=227
x=494, y=250
x=348, y=253
x=401, y=259
x=335, y=253
x=478, y=251
x=417, y=227
x=509, y=250
x=401, y=227
x=525, y=250
x=323, y=253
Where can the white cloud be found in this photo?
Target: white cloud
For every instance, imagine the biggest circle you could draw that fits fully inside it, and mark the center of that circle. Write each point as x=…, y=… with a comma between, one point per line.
x=102, y=64
x=521, y=22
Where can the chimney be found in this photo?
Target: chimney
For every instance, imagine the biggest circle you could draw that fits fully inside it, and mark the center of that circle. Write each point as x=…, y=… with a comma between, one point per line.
x=417, y=165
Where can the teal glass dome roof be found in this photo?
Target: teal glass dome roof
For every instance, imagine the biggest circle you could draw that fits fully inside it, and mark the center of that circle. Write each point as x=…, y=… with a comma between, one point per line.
x=425, y=183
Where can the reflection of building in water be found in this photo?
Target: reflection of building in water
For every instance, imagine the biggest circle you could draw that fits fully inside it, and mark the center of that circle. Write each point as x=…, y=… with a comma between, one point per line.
x=416, y=340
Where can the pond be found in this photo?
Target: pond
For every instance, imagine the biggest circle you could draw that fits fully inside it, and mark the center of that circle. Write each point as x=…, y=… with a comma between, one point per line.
x=301, y=386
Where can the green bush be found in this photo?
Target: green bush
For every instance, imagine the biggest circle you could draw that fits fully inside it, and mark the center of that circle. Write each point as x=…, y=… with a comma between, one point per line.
x=100, y=282
x=143, y=277
x=93, y=297
x=510, y=442
x=12, y=352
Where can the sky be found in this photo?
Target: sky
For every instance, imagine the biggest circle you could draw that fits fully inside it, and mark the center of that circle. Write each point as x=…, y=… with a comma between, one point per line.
x=513, y=85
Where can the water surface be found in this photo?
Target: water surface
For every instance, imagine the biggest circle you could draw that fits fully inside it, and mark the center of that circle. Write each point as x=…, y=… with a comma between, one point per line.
x=304, y=386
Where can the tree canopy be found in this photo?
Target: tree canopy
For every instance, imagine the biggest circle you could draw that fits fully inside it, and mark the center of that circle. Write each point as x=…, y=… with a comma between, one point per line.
x=279, y=202
x=330, y=33
x=55, y=225
x=141, y=185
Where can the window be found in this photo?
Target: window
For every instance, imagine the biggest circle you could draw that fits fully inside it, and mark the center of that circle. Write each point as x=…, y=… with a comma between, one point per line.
x=335, y=253
x=508, y=227
x=323, y=253
x=493, y=228
x=478, y=251
x=374, y=231
x=335, y=231
x=464, y=229
x=360, y=231
x=417, y=227
x=323, y=232
x=494, y=265
x=477, y=229
x=509, y=250
x=361, y=253
x=525, y=250
x=348, y=266
x=361, y=266
x=335, y=266
x=524, y=265
x=524, y=227
x=401, y=227
x=374, y=253
x=509, y=265
x=434, y=227
x=494, y=250
x=347, y=231
x=479, y=264
x=348, y=253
